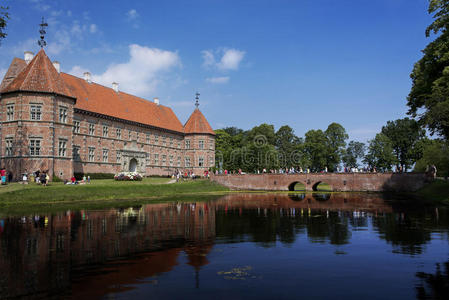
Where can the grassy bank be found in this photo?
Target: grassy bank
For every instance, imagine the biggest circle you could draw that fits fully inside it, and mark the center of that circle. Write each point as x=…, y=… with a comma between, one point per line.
x=436, y=192
x=101, y=192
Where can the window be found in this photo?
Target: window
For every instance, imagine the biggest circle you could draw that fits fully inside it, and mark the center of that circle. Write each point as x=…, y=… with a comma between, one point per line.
x=91, y=129
x=35, y=147
x=171, y=142
x=201, y=144
x=62, y=147
x=187, y=162
x=105, y=155
x=63, y=114
x=156, y=139
x=164, y=159
x=179, y=162
x=8, y=149
x=91, y=154
x=105, y=130
x=118, y=133
x=187, y=144
x=129, y=134
x=137, y=135
x=76, y=153
x=200, y=161
x=76, y=126
x=211, y=144
x=171, y=160
x=119, y=156
x=148, y=138
x=35, y=112
x=179, y=145
x=10, y=112
x=164, y=141
x=211, y=160
x=156, y=159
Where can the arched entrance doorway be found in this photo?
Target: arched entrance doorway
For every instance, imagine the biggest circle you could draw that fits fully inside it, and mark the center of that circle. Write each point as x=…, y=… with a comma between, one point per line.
x=133, y=165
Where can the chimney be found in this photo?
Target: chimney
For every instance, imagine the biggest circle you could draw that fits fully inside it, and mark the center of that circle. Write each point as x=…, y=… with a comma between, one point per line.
x=115, y=86
x=57, y=66
x=28, y=56
x=87, y=77
x=156, y=100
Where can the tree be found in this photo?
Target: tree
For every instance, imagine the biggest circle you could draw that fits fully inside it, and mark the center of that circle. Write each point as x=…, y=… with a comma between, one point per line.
x=286, y=144
x=404, y=135
x=336, y=142
x=435, y=152
x=315, y=146
x=354, y=152
x=430, y=75
x=4, y=16
x=380, y=153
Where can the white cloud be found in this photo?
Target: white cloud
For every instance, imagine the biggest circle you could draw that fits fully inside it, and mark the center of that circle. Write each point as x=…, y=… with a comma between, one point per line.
x=61, y=41
x=132, y=14
x=93, y=28
x=223, y=79
x=141, y=74
x=230, y=59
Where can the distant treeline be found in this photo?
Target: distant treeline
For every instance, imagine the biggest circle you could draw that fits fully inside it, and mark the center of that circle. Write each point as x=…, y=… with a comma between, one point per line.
x=402, y=144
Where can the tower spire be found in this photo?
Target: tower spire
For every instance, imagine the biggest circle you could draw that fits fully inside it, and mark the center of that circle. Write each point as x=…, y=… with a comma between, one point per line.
x=42, y=32
x=197, y=98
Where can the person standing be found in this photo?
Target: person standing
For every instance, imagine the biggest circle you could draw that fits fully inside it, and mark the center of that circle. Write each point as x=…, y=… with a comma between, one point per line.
x=3, y=175
x=43, y=178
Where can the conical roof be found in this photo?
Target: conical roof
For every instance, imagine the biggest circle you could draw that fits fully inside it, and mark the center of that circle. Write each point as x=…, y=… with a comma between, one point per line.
x=39, y=76
x=197, y=123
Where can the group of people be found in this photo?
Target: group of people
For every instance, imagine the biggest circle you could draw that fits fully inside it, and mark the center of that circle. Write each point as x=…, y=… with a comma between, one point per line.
x=73, y=180
x=299, y=170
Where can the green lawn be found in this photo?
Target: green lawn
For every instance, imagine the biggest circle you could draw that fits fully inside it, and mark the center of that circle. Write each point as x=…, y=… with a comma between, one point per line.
x=101, y=191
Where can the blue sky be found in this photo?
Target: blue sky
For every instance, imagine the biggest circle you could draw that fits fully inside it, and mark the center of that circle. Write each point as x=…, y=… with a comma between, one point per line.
x=304, y=63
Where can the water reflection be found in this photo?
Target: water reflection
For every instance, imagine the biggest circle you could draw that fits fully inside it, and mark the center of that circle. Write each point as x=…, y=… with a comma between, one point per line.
x=43, y=255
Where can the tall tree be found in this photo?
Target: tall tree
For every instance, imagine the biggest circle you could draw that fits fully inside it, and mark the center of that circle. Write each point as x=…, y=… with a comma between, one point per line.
x=434, y=152
x=286, y=144
x=380, y=153
x=404, y=135
x=430, y=75
x=354, y=152
x=336, y=142
x=4, y=16
x=315, y=146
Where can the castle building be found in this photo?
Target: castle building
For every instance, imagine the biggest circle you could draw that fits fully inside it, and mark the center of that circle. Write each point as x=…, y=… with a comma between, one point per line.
x=56, y=122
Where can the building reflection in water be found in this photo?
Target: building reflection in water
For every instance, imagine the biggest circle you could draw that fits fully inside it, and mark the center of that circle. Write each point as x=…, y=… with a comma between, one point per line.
x=53, y=254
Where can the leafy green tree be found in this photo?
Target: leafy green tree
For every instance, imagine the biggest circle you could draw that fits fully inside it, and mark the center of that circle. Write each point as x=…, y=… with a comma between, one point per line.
x=4, y=16
x=435, y=152
x=316, y=148
x=404, y=134
x=354, y=152
x=336, y=142
x=380, y=153
x=260, y=151
x=430, y=76
x=286, y=144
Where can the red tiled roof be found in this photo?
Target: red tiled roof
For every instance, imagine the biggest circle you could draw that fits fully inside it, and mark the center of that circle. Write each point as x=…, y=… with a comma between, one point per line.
x=39, y=76
x=100, y=99
x=197, y=123
x=17, y=66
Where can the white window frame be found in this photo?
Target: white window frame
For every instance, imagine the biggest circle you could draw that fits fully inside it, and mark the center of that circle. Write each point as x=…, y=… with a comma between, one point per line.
x=35, y=112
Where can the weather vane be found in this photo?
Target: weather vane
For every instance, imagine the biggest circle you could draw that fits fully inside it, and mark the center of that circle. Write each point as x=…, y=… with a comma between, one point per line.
x=42, y=31
x=197, y=98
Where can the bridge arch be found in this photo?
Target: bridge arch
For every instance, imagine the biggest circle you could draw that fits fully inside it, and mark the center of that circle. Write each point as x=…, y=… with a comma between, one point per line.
x=321, y=186
x=297, y=186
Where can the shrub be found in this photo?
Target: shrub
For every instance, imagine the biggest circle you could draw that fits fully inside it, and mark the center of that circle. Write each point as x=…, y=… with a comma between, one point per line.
x=57, y=179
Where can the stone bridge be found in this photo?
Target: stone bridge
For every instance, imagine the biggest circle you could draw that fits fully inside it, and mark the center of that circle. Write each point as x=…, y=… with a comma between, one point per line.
x=339, y=182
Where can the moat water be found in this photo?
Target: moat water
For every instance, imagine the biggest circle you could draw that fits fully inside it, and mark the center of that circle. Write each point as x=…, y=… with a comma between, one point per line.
x=239, y=246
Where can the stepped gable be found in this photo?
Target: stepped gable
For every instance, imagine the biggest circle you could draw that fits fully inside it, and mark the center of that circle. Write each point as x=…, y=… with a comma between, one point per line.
x=39, y=76
x=197, y=123
x=17, y=66
x=96, y=98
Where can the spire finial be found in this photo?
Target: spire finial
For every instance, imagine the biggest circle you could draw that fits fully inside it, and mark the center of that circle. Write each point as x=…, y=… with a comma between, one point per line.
x=42, y=31
x=196, y=99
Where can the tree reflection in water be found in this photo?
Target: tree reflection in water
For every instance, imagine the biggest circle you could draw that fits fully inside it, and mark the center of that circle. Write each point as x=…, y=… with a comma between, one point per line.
x=434, y=286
